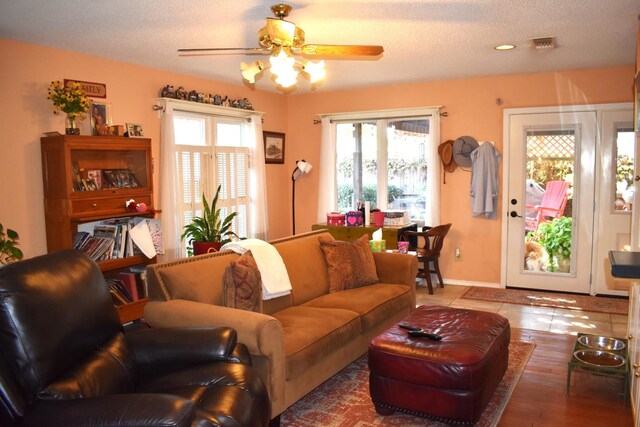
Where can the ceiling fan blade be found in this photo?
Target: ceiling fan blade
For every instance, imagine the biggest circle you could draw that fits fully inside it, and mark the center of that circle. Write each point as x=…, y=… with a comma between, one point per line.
x=332, y=50
x=218, y=49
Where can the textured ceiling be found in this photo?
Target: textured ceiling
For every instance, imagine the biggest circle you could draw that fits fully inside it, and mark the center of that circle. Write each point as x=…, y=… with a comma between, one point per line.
x=422, y=39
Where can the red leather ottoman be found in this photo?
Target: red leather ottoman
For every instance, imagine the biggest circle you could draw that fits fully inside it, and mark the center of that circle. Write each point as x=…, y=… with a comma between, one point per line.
x=451, y=380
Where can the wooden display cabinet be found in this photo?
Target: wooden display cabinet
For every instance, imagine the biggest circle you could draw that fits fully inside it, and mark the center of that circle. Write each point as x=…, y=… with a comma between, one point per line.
x=90, y=178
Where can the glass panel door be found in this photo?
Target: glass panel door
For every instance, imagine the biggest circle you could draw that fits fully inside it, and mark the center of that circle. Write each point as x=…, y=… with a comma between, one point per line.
x=551, y=196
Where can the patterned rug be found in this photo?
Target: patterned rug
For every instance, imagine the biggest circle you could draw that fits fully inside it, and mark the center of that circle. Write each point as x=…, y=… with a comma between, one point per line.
x=344, y=401
x=549, y=299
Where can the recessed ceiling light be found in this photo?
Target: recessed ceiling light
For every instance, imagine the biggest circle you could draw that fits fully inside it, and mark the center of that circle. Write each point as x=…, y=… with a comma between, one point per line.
x=505, y=47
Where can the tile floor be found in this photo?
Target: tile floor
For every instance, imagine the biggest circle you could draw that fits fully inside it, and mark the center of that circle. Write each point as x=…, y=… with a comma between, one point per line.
x=546, y=319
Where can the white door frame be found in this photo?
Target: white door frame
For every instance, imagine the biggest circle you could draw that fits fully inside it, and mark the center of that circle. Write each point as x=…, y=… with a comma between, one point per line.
x=507, y=113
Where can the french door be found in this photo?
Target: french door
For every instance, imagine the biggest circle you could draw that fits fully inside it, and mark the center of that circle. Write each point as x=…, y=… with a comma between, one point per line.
x=615, y=201
x=545, y=149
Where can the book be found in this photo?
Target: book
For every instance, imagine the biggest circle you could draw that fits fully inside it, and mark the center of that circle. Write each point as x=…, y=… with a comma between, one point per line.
x=129, y=281
x=118, y=286
x=80, y=238
x=108, y=234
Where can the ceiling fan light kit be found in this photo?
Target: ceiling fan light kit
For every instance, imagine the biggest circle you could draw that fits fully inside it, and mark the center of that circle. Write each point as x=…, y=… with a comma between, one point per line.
x=282, y=40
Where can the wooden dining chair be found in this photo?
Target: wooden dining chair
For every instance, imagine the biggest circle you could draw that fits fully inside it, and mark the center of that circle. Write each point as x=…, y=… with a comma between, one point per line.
x=433, y=238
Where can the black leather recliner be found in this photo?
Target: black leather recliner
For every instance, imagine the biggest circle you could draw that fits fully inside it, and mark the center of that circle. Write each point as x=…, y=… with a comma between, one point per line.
x=66, y=361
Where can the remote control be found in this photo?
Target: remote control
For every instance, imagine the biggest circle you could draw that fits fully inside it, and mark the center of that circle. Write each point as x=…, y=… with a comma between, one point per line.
x=425, y=334
x=409, y=327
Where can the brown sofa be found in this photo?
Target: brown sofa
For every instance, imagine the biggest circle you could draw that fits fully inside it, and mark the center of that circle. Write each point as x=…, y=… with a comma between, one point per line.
x=299, y=340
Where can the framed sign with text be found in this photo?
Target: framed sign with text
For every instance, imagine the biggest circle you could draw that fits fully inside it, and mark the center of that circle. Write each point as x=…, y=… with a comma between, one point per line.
x=91, y=89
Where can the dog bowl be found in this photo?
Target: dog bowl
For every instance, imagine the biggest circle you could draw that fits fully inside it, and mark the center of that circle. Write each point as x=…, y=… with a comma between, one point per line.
x=602, y=359
x=601, y=343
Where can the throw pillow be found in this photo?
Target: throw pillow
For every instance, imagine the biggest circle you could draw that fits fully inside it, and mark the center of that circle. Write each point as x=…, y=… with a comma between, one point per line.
x=351, y=264
x=242, y=284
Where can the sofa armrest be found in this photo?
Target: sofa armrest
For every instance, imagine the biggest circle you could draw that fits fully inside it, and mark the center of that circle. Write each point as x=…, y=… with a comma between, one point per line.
x=260, y=333
x=179, y=346
x=113, y=410
x=397, y=268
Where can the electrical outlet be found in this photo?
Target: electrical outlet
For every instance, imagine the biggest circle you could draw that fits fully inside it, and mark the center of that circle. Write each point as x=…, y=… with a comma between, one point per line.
x=458, y=254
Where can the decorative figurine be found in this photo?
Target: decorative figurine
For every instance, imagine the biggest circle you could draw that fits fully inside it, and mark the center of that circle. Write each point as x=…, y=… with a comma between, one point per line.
x=181, y=93
x=247, y=104
x=168, y=92
x=193, y=96
x=217, y=100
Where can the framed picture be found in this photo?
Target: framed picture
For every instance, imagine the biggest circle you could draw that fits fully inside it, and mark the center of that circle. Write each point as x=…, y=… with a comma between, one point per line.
x=95, y=175
x=119, y=178
x=100, y=118
x=134, y=130
x=273, y=147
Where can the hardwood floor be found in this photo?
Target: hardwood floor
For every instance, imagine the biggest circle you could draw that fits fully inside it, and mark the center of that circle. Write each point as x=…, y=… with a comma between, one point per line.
x=539, y=398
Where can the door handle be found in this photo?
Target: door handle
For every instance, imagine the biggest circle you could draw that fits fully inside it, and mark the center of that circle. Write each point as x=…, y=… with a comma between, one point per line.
x=514, y=214
x=637, y=177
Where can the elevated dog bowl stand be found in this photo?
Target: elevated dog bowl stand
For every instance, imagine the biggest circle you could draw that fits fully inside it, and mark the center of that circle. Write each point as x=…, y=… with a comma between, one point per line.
x=608, y=371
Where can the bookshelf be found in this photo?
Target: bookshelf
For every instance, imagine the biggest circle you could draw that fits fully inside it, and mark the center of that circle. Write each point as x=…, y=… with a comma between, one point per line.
x=90, y=178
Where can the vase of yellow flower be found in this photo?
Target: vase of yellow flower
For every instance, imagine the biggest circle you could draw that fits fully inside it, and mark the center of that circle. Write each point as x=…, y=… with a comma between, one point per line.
x=72, y=100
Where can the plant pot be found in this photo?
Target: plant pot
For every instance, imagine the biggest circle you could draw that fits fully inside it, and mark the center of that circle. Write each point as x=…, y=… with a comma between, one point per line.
x=200, y=248
x=564, y=264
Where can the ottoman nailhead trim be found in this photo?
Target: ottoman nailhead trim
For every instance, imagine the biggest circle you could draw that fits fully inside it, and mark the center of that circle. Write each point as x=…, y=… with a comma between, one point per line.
x=422, y=415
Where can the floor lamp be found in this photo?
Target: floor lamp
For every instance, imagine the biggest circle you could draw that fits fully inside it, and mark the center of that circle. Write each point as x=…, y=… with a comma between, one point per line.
x=302, y=167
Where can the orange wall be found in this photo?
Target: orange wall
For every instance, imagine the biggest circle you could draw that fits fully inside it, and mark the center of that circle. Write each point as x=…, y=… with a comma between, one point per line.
x=472, y=108
x=25, y=113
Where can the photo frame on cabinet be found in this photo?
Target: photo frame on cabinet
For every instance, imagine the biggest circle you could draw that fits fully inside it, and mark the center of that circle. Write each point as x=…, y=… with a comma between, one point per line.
x=100, y=114
x=134, y=130
x=273, y=147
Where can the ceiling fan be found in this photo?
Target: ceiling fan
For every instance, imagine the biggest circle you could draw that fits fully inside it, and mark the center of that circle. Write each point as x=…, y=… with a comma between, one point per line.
x=282, y=40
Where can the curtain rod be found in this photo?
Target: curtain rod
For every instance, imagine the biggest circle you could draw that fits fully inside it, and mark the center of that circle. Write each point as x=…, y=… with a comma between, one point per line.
x=401, y=117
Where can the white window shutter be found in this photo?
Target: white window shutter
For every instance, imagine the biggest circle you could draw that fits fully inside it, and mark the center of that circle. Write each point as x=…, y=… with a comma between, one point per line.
x=232, y=173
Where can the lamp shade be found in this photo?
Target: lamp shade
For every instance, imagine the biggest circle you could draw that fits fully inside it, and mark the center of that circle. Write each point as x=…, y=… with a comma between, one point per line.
x=304, y=166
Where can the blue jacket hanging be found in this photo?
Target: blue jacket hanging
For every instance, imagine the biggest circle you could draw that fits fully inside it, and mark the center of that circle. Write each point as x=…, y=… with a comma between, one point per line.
x=484, y=180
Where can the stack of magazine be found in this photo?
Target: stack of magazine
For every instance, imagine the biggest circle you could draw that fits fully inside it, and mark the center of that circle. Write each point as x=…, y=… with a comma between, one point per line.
x=120, y=238
x=128, y=286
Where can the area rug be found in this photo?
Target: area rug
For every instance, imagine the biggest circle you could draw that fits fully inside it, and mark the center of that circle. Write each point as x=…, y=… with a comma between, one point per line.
x=549, y=299
x=344, y=401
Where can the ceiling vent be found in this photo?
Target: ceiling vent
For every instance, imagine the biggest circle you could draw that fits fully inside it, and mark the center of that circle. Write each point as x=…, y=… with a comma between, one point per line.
x=543, y=43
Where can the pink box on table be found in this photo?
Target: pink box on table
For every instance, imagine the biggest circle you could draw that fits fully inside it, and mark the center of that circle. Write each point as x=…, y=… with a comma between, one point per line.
x=354, y=218
x=335, y=218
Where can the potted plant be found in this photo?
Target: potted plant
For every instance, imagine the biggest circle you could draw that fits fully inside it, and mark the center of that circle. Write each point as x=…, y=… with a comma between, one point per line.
x=9, y=251
x=555, y=236
x=210, y=231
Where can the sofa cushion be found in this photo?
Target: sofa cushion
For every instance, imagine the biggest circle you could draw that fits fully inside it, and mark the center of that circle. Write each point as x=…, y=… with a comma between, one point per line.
x=375, y=303
x=306, y=267
x=311, y=333
x=350, y=263
x=242, y=284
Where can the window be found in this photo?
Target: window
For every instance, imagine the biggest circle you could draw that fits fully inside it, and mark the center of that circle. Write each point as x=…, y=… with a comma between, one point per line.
x=210, y=152
x=624, y=158
x=390, y=163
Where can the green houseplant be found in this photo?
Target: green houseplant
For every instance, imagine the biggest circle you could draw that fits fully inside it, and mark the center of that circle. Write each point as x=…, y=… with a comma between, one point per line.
x=9, y=251
x=555, y=236
x=210, y=231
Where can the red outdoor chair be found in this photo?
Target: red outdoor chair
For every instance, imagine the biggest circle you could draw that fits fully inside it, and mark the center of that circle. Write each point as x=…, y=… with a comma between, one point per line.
x=551, y=206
